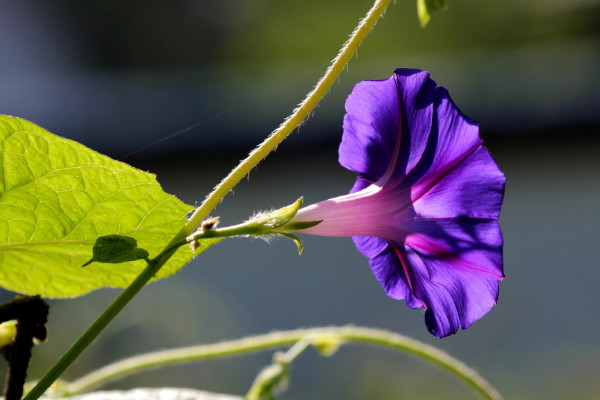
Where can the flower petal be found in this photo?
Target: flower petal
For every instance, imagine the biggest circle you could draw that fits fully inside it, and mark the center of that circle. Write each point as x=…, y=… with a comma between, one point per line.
x=395, y=275
x=462, y=243
x=455, y=296
x=452, y=139
x=371, y=128
x=472, y=188
x=370, y=246
x=433, y=133
x=416, y=91
x=451, y=268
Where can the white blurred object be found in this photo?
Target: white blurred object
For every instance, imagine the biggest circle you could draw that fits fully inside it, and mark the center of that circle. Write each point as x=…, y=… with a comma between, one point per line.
x=151, y=394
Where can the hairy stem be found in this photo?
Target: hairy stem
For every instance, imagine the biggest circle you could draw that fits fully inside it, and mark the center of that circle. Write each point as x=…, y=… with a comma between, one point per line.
x=319, y=337
x=293, y=121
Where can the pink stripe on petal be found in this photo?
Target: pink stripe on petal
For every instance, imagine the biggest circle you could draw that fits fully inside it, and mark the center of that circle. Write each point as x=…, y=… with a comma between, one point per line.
x=447, y=255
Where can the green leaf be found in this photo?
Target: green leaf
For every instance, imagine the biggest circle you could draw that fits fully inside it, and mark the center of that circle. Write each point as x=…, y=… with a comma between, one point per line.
x=425, y=7
x=57, y=197
x=116, y=249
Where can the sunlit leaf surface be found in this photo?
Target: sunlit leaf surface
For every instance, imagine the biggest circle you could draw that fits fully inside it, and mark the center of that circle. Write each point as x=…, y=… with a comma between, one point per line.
x=57, y=197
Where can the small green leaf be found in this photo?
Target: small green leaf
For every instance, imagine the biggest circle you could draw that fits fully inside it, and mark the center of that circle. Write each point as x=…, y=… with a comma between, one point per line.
x=57, y=197
x=425, y=7
x=116, y=249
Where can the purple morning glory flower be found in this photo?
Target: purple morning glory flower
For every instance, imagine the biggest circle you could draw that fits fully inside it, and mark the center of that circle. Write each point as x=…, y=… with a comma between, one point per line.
x=425, y=206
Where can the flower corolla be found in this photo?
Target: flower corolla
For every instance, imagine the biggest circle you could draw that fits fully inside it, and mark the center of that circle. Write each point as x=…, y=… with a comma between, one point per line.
x=425, y=206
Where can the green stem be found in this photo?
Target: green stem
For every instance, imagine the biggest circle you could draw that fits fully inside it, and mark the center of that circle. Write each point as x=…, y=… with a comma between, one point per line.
x=274, y=377
x=318, y=336
x=103, y=320
x=292, y=122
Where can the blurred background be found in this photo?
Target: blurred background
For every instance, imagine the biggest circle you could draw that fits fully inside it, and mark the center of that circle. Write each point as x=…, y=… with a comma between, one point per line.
x=185, y=88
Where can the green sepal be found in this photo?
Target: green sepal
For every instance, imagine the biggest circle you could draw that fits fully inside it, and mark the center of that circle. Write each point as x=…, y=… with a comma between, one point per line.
x=294, y=239
x=299, y=225
x=279, y=217
x=425, y=7
x=116, y=249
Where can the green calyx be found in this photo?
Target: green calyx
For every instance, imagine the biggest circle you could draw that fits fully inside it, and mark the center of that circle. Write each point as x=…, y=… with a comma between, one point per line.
x=276, y=222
